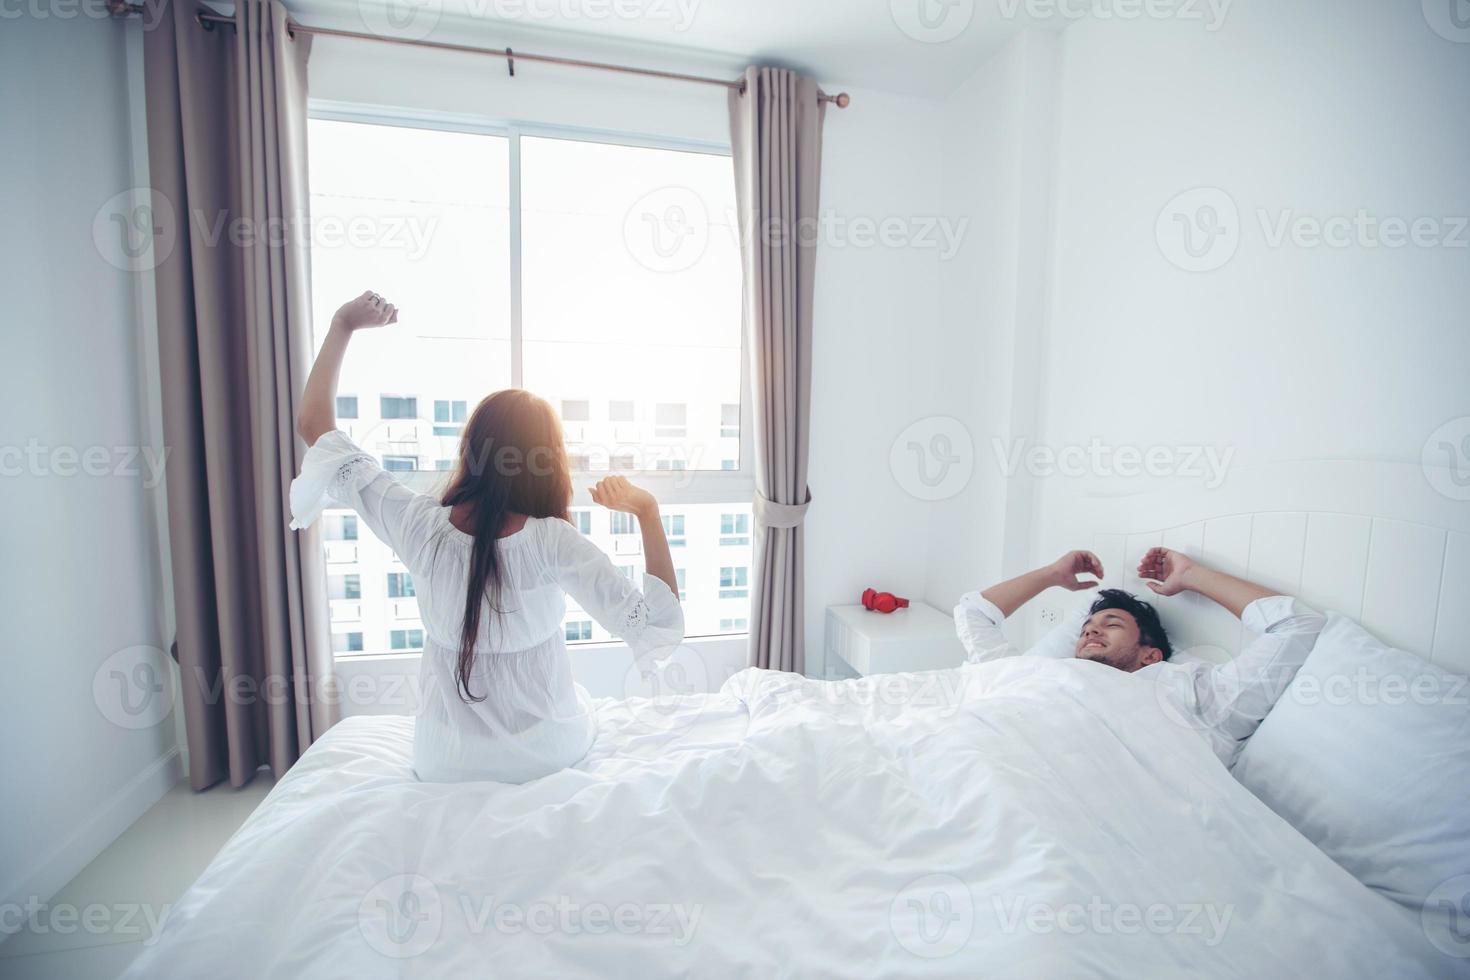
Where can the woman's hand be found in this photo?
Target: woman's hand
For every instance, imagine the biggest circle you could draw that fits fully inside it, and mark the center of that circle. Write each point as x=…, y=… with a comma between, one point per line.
x=1066, y=569
x=367, y=310
x=616, y=493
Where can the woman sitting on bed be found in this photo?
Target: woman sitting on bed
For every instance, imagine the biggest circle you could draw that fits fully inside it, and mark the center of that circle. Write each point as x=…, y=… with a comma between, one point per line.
x=491, y=560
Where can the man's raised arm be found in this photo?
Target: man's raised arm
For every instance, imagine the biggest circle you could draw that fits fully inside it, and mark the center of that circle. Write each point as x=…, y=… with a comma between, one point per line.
x=979, y=615
x=1237, y=695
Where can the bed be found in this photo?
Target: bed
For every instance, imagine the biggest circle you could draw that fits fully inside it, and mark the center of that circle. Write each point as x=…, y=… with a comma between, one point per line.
x=1023, y=818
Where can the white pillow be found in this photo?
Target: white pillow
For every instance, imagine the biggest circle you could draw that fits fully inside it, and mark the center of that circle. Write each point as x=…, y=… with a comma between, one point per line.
x=1368, y=755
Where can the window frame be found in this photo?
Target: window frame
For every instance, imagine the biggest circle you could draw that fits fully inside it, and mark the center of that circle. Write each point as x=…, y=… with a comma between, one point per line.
x=673, y=488
x=703, y=486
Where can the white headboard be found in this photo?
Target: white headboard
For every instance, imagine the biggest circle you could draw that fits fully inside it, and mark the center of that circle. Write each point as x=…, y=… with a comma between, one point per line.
x=1372, y=540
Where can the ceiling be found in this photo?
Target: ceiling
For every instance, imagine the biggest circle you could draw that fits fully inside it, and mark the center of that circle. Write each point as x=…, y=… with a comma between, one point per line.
x=915, y=47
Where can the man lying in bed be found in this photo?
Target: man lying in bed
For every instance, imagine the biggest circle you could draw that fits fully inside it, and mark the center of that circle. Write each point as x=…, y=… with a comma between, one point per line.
x=1225, y=701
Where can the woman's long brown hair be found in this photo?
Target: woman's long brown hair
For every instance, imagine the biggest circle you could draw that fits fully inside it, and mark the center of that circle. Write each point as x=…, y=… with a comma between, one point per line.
x=511, y=461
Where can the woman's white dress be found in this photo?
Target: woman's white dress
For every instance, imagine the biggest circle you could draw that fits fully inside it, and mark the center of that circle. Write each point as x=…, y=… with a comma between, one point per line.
x=534, y=718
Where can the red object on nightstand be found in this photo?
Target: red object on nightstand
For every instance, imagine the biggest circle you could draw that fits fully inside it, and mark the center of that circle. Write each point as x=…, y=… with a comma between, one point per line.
x=883, y=602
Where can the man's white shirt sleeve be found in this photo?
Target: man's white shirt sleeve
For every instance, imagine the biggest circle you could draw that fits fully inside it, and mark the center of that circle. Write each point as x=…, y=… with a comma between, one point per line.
x=1234, y=698
x=979, y=624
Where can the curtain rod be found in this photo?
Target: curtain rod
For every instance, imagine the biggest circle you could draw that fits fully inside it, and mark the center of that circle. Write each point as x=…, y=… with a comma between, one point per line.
x=207, y=21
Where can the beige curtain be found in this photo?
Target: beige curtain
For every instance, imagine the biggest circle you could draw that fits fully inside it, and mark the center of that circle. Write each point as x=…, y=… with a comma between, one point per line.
x=227, y=158
x=776, y=138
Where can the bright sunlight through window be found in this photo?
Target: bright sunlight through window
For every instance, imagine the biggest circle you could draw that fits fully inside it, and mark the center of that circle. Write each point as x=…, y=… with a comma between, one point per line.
x=625, y=316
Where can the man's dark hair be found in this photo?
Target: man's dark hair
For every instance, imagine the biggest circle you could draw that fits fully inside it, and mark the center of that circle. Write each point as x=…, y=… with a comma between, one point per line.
x=1150, y=630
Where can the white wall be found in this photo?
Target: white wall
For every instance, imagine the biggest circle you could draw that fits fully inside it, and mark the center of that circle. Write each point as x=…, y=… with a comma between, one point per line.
x=876, y=320
x=1328, y=109
x=877, y=305
x=1289, y=352
x=996, y=177
x=80, y=576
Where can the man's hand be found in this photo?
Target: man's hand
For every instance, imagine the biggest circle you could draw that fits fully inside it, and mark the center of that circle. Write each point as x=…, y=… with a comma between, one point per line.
x=1173, y=573
x=1012, y=594
x=367, y=310
x=1065, y=570
x=1168, y=570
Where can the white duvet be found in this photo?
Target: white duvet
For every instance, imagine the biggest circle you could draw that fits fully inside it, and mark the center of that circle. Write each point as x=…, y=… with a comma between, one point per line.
x=1026, y=818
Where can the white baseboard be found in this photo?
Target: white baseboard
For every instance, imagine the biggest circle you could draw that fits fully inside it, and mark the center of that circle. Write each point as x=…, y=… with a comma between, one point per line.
x=50, y=874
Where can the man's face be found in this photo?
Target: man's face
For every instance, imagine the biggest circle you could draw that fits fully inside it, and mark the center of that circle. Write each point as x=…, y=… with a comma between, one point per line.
x=1110, y=637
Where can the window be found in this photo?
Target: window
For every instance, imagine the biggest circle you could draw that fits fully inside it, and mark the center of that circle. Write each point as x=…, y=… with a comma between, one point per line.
x=679, y=578
x=737, y=625
x=579, y=629
x=670, y=420
x=449, y=416
x=450, y=411
x=733, y=584
x=346, y=406
x=412, y=639
x=734, y=529
x=620, y=522
x=340, y=527
x=582, y=520
x=629, y=572
x=674, y=529
x=626, y=317
x=396, y=407
x=347, y=642
x=400, y=585
x=344, y=586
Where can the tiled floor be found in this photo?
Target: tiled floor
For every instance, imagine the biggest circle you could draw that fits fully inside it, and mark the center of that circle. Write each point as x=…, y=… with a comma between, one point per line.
x=118, y=898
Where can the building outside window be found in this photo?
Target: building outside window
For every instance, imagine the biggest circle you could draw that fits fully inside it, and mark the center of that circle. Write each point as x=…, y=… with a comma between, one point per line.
x=406, y=639
x=450, y=416
x=400, y=585
x=347, y=642
x=734, y=529
x=733, y=583
x=347, y=586
x=398, y=407
x=670, y=420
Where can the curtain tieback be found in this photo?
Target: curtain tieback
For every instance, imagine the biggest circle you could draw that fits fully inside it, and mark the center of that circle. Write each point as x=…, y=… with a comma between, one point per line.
x=772, y=514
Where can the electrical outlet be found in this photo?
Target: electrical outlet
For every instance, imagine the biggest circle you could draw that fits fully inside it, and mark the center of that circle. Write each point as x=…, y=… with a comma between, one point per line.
x=1051, y=616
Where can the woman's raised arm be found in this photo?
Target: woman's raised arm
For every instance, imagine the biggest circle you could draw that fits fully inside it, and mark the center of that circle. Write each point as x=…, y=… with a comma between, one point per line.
x=316, y=415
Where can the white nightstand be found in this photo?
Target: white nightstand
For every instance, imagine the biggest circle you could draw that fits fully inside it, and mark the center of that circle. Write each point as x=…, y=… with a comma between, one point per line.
x=919, y=637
